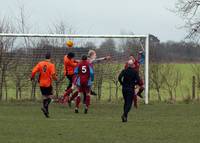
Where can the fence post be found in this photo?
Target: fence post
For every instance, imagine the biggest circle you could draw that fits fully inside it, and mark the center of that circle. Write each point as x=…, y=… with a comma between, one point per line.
x=193, y=87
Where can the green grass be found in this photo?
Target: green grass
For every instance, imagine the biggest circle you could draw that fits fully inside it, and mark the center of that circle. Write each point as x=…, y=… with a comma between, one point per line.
x=159, y=123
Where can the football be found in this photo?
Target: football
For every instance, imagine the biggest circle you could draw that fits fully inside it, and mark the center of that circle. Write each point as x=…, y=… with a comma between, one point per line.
x=69, y=43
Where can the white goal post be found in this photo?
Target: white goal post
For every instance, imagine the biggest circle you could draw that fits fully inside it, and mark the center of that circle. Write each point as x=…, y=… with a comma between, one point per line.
x=146, y=37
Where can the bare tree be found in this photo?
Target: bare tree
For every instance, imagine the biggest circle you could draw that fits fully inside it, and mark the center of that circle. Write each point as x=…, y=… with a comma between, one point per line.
x=21, y=64
x=189, y=11
x=172, y=79
x=156, y=78
x=108, y=47
x=90, y=45
x=6, y=46
x=99, y=76
x=111, y=72
x=196, y=71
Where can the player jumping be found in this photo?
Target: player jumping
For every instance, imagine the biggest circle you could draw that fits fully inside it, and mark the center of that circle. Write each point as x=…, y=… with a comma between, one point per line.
x=69, y=65
x=136, y=66
x=85, y=75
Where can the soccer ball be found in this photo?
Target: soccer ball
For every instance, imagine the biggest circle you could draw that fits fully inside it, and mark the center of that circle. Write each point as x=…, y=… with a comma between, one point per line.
x=69, y=43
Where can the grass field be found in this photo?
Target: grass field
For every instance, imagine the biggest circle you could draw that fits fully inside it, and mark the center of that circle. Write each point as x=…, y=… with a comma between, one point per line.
x=159, y=123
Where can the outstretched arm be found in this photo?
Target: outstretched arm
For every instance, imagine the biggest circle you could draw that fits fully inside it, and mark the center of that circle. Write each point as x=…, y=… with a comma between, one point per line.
x=101, y=59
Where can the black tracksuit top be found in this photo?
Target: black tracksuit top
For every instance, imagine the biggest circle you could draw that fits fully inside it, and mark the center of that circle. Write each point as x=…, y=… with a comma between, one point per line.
x=128, y=78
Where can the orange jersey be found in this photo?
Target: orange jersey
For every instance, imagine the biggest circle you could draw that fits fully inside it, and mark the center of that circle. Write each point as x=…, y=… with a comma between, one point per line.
x=69, y=66
x=46, y=70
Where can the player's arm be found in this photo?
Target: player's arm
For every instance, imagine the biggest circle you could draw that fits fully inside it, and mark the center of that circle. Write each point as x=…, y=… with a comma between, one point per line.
x=54, y=75
x=141, y=58
x=77, y=61
x=65, y=66
x=91, y=73
x=137, y=78
x=34, y=71
x=76, y=70
x=101, y=59
x=72, y=63
x=120, y=77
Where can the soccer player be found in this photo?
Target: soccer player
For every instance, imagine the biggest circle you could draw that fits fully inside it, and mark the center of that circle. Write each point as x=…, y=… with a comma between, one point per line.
x=85, y=75
x=128, y=78
x=47, y=72
x=136, y=66
x=69, y=65
x=141, y=60
x=92, y=57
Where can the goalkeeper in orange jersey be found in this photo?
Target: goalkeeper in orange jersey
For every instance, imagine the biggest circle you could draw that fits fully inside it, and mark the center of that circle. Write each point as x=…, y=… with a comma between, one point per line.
x=47, y=72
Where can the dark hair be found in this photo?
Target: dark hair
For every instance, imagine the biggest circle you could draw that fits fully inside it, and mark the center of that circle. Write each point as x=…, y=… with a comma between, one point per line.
x=84, y=57
x=48, y=55
x=71, y=55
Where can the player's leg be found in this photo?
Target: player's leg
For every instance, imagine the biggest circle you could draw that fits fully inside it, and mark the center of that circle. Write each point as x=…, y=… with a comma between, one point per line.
x=87, y=99
x=47, y=93
x=135, y=101
x=78, y=101
x=66, y=96
x=68, y=90
x=141, y=88
x=74, y=94
x=128, y=100
x=93, y=93
x=71, y=92
x=124, y=119
x=84, y=98
x=87, y=103
x=70, y=78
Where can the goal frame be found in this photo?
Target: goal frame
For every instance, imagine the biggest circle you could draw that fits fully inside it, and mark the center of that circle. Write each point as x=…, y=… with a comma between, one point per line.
x=146, y=37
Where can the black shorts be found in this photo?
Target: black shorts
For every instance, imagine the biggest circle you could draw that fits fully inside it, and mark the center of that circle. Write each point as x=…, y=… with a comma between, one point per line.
x=46, y=91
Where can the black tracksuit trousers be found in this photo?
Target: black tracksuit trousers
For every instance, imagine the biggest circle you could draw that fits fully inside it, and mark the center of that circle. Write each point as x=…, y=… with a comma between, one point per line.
x=128, y=94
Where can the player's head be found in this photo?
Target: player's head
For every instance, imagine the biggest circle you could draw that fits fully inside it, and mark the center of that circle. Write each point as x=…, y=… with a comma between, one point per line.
x=70, y=55
x=92, y=54
x=131, y=57
x=84, y=57
x=130, y=63
x=48, y=56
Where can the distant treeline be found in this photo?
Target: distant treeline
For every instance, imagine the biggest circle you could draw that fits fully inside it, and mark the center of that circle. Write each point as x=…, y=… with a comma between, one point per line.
x=175, y=52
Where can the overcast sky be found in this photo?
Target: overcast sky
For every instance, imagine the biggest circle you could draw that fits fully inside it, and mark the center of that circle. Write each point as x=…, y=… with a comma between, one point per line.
x=101, y=16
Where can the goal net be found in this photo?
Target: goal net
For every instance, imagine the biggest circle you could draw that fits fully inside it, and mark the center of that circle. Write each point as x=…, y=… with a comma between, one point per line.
x=20, y=52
